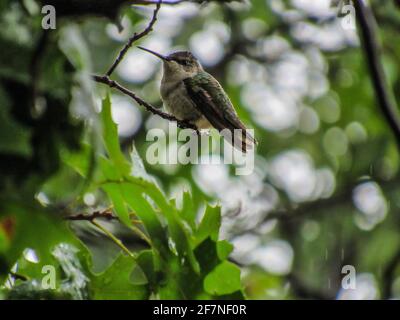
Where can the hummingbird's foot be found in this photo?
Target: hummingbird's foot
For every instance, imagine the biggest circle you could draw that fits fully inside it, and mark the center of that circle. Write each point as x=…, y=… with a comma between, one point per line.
x=196, y=132
x=202, y=132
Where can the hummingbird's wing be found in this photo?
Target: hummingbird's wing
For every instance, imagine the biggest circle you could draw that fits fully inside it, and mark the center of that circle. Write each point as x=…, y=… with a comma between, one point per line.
x=212, y=101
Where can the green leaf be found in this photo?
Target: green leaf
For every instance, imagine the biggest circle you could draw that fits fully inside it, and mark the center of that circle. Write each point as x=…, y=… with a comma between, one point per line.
x=133, y=196
x=138, y=169
x=115, y=283
x=136, y=190
x=188, y=211
x=224, y=248
x=209, y=225
x=179, y=234
x=145, y=260
x=80, y=161
x=114, y=192
x=179, y=280
x=30, y=235
x=224, y=279
x=207, y=255
x=110, y=136
x=36, y=229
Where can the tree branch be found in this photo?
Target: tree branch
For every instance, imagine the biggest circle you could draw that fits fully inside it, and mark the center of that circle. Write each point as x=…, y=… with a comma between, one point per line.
x=385, y=98
x=102, y=214
x=90, y=217
x=108, y=215
x=114, y=239
x=113, y=84
x=135, y=37
x=18, y=276
x=105, y=79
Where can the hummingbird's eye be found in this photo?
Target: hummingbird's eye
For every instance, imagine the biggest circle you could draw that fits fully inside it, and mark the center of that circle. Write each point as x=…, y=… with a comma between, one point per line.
x=183, y=62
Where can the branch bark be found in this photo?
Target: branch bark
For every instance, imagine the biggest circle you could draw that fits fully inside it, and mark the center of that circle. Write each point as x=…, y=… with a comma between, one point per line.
x=108, y=215
x=385, y=98
x=134, y=38
x=114, y=84
x=105, y=79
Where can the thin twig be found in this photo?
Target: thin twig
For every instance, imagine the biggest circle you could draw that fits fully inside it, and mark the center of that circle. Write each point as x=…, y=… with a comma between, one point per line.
x=114, y=239
x=105, y=79
x=385, y=98
x=18, y=276
x=106, y=214
x=141, y=234
x=135, y=37
x=113, y=84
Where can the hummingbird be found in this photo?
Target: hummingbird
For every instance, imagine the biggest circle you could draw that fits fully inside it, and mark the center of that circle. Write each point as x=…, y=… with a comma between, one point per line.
x=191, y=94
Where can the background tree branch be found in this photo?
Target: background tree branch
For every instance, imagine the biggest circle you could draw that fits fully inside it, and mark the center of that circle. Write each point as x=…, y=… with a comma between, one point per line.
x=385, y=98
x=113, y=84
x=134, y=38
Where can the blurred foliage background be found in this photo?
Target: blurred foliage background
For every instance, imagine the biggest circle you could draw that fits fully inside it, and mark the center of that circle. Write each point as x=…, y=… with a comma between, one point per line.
x=323, y=195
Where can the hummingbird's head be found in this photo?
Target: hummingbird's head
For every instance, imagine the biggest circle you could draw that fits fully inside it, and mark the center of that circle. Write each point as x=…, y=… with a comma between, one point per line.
x=180, y=64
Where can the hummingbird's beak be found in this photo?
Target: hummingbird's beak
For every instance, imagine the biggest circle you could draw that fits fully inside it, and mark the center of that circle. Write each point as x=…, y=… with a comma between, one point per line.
x=155, y=53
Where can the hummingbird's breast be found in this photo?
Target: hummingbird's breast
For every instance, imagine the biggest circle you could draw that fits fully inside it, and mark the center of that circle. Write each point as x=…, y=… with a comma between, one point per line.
x=178, y=102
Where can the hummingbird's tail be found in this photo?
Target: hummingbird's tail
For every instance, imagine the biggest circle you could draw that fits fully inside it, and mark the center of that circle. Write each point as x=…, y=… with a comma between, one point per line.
x=241, y=139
